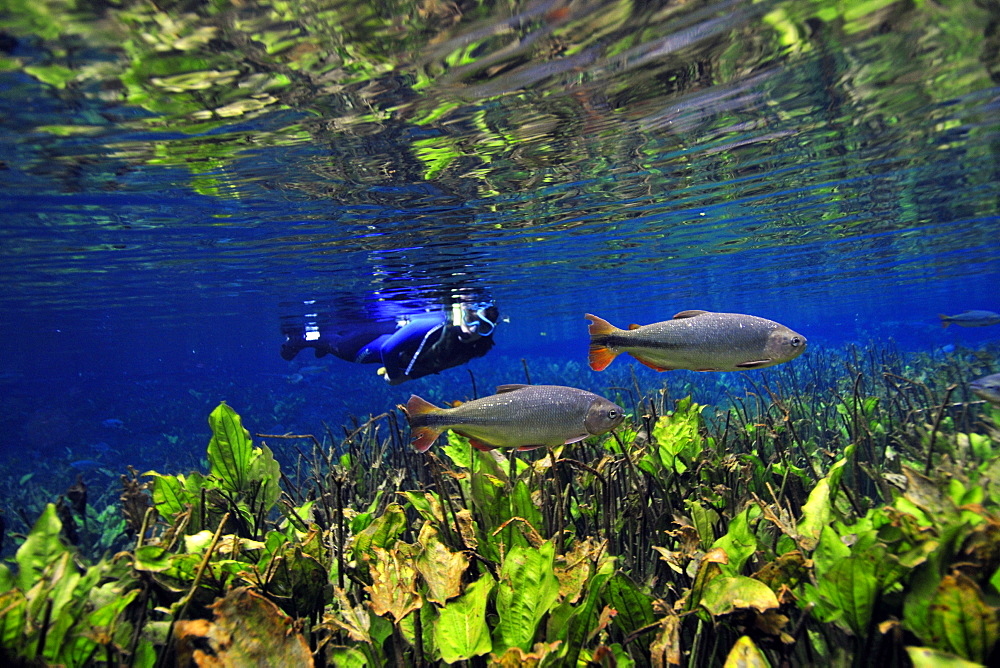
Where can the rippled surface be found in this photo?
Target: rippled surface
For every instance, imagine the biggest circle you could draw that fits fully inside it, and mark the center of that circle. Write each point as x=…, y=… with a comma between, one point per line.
x=166, y=164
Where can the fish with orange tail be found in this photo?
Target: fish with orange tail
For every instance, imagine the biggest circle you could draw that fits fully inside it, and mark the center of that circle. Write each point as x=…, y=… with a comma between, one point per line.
x=517, y=416
x=697, y=341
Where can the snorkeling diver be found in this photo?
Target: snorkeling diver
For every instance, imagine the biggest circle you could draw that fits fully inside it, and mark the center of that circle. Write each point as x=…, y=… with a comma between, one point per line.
x=415, y=344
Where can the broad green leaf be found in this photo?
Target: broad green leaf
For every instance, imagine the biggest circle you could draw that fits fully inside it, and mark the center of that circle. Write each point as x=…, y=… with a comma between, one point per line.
x=925, y=657
x=739, y=543
x=745, y=654
x=230, y=449
x=850, y=586
x=382, y=533
x=460, y=631
x=961, y=621
x=585, y=617
x=441, y=568
x=703, y=520
x=264, y=468
x=829, y=551
x=818, y=510
x=528, y=589
x=725, y=594
x=42, y=547
x=345, y=657
x=635, y=608
x=152, y=558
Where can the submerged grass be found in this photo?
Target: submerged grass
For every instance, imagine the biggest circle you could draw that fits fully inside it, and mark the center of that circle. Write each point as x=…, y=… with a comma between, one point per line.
x=843, y=509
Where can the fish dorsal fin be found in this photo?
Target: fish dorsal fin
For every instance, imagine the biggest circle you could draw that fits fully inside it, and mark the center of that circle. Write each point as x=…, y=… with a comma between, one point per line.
x=510, y=388
x=634, y=326
x=688, y=314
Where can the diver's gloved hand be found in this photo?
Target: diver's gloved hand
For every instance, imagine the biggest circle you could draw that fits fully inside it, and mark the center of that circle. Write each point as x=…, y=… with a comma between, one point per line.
x=295, y=340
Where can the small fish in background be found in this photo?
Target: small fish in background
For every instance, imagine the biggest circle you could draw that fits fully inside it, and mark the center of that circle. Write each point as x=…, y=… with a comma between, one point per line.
x=517, y=416
x=697, y=341
x=100, y=448
x=113, y=423
x=988, y=388
x=86, y=464
x=970, y=319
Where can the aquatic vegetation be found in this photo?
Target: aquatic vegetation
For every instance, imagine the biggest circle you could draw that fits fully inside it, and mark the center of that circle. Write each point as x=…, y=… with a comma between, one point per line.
x=837, y=512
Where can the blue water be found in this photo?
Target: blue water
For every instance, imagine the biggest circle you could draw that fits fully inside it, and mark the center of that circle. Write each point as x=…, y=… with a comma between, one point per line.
x=625, y=160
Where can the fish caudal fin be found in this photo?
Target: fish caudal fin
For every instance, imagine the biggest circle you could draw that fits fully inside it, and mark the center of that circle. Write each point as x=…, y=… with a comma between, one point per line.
x=422, y=434
x=945, y=321
x=600, y=355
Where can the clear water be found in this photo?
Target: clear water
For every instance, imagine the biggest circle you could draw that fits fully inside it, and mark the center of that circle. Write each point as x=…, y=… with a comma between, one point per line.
x=177, y=183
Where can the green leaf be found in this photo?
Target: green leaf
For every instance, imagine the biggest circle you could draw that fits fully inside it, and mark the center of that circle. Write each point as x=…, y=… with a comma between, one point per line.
x=850, y=586
x=739, y=543
x=818, y=511
x=745, y=654
x=265, y=469
x=230, y=449
x=961, y=621
x=528, y=589
x=152, y=558
x=382, y=533
x=725, y=594
x=460, y=631
x=41, y=548
x=635, y=608
x=925, y=657
x=345, y=657
x=585, y=617
x=829, y=551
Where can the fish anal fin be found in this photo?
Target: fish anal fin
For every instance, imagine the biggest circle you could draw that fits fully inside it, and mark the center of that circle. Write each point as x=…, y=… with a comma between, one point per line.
x=688, y=314
x=479, y=445
x=600, y=357
x=754, y=364
x=423, y=438
x=525, y=448
x=634, y=326
x=511, y=387
x=654, y=367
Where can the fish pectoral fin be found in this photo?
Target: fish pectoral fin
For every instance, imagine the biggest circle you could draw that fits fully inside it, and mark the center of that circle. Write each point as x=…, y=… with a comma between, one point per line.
x=511, y=387
x=600, y=357
x=654, y=367
x=754, y=364
x=575, y=439
x=689, y=314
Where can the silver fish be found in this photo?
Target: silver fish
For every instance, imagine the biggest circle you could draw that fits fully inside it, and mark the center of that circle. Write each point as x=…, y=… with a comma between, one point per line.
x=698, y=341
x=517, y=416
x=988, y=388
x=970, y=319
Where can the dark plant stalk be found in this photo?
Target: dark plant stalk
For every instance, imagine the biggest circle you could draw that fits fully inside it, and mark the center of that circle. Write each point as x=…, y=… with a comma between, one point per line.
x=44, y=631
x=527, y=376
x=475, y=393
x=934, y=429
x=190, y=594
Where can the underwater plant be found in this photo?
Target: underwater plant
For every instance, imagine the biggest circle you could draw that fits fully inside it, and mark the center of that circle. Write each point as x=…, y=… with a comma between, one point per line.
x=841, y=511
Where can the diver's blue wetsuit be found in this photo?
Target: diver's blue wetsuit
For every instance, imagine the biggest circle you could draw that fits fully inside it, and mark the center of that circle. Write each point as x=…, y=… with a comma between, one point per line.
x=413, y=346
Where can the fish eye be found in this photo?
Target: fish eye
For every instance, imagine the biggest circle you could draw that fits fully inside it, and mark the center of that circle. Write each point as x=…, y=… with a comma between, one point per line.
x=795, y=341
x=613, y=414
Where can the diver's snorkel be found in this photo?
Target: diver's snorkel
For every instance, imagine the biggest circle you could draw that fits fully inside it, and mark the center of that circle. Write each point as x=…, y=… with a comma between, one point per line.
x=481, y=314
x=474, y=324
